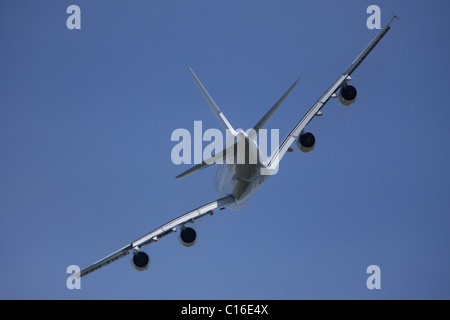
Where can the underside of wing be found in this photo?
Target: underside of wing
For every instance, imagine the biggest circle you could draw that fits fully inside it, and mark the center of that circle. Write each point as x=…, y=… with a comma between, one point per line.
x=141, y=260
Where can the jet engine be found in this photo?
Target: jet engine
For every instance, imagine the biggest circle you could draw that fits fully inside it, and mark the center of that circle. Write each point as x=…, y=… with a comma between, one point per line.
x=140, y=261
x=347, y=95
x=306, y=142
x=188, y=237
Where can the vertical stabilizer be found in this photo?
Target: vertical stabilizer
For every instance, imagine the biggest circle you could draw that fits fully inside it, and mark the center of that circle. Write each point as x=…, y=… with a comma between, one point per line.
x=272, y=110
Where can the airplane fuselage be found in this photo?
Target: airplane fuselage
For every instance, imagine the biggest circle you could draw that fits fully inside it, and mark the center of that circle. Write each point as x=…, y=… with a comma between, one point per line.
x=240, y=175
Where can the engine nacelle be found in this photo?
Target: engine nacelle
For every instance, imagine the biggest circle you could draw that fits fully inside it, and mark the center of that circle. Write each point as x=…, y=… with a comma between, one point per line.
x=347, y=95
x=306, y=142
x=140, y=261
x=188, y=237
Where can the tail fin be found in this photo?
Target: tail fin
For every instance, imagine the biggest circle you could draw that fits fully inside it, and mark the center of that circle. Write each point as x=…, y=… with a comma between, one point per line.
x=272, y=110
x=219, y=114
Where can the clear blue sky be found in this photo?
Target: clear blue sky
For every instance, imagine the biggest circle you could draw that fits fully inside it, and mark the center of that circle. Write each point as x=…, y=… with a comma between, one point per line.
x=85, y=123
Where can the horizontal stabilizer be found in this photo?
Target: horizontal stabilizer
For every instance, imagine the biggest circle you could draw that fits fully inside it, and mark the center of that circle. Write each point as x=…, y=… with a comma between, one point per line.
x=219, y=114
x=219, y=157
x=196, y=168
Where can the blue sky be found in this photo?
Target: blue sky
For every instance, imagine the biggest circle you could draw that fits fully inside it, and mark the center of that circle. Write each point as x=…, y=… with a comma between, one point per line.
x=85, y=123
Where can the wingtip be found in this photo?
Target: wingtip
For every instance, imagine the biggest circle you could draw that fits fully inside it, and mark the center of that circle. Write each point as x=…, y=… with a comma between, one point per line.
x=394, y=16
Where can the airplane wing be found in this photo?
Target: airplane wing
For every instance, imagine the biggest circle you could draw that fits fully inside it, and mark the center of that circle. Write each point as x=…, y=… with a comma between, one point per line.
x=315, y=109
x=158, y=233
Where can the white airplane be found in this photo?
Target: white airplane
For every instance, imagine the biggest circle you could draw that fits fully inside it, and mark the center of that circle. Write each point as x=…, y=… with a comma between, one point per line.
x=238, y=179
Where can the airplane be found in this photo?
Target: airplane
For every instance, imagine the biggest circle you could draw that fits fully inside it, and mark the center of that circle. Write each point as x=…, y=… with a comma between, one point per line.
x=238, y=179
